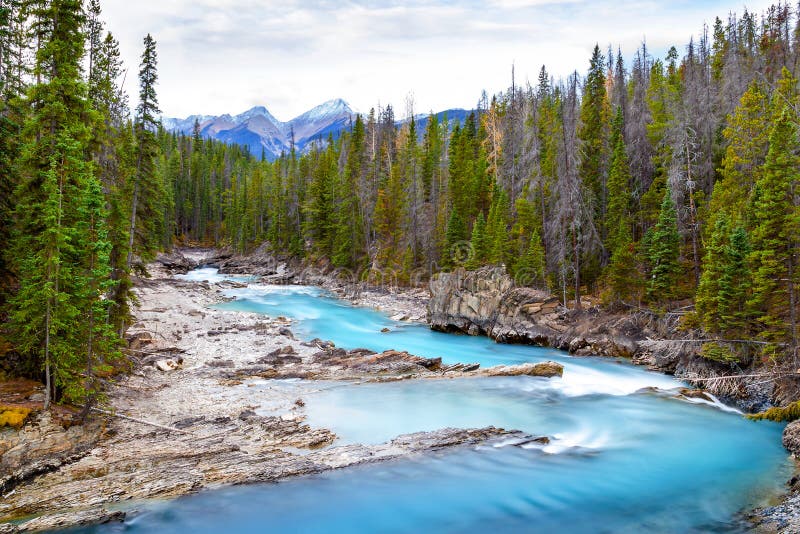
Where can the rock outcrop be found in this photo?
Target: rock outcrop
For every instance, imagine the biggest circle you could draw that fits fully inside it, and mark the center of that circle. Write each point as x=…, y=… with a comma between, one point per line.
x=155, y=465
x=486, y=302
x=791, y=438
x=42, y=446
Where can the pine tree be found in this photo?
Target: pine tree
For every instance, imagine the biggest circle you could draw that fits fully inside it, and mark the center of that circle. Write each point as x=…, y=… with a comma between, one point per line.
x=623, y=279
x=147, y=187
x=714, y=264
x=530, y=269
x=618, y=216
x=94, y=283
x=724, y=288
x=662, y=250
x=349, y=239
x=11, y=117
x=47, y=245
x=593, y=135
x=456, y=235
x=478, y=242
x=497, y=237
x=776, y=227
x=735, y=286
x=747, y=135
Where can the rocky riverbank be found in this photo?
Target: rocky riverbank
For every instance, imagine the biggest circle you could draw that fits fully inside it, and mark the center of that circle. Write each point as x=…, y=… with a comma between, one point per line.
x=486, y=302
x=403, y=304
x=210, y=403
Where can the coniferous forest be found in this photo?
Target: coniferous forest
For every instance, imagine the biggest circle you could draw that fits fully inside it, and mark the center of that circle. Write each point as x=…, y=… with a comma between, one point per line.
x=659, y=183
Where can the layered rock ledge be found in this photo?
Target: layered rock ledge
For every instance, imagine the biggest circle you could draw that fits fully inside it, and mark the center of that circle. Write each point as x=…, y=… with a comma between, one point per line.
x=487, y=302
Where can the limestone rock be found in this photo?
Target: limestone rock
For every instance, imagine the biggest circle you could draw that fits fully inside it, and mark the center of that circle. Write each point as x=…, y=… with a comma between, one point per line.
x=544, y=369
x=791, y=437
x=41, y=446
x=487, y=302
x=168, y=364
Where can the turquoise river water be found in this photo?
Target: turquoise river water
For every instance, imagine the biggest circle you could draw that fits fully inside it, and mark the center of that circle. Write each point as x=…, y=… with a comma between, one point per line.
x=627, y=455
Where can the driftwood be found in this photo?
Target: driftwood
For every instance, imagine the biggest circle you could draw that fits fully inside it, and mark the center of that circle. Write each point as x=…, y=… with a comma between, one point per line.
x=142, y=421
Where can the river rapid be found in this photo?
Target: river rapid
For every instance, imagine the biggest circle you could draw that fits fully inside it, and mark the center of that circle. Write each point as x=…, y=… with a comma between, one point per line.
x=627, y=453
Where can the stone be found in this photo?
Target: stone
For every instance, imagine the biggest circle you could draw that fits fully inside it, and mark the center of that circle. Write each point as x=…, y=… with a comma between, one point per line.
x=542, y=369
x=188, y=422
x=221, y=363
x=286, y=332
x=791, y=438
x=695, y=394
x=167, y=365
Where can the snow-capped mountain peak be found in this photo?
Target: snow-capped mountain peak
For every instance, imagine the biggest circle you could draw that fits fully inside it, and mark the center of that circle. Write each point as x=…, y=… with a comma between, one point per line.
x=260, y=131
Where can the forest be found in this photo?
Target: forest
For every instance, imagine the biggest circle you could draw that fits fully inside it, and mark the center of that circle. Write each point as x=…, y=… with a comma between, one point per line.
x=664, y=184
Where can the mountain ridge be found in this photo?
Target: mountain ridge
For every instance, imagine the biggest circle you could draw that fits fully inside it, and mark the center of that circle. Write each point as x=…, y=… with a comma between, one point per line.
x=263, y=134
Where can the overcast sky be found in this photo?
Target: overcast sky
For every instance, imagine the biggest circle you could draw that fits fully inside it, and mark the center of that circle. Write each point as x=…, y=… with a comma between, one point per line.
x=226, y=56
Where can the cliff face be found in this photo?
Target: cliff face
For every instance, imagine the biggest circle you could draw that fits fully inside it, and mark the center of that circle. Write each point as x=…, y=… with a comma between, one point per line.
x=485, y=302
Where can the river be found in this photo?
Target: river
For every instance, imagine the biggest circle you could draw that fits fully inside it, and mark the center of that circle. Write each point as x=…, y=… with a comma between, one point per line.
x=627, y=454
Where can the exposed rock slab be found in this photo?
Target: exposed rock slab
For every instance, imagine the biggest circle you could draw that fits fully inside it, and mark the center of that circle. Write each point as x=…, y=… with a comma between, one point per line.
x=544, y=369
x=40, y=447
x=159, y=466
x=486, y=302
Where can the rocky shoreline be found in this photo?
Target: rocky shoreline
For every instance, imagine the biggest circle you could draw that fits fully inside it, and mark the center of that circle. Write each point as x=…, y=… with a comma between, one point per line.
x=209, y=404
x=486, y=302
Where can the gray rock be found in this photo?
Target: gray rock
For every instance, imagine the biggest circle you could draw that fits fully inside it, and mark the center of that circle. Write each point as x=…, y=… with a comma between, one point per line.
x=791, y=437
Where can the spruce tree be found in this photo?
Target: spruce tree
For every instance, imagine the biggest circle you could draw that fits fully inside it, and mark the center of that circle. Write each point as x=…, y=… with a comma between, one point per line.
x=47, y=246
x=618, y=219
x=147, y=189
x=747, y=135
x=456, y=234
x=775, y=234
x=478, y=242
x=530, y=269
x=593, y=134
x=662, y=250
x=714, y=263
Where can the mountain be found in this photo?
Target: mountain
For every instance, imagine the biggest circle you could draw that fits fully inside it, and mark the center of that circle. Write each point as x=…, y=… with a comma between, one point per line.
x=260, y=131
x=452, y=116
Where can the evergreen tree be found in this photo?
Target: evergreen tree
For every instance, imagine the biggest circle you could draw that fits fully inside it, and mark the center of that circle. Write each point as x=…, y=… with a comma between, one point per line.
x=623, y=279
x=455, y=236
x=714, y=264
x=147, y=187
x=530, y=269
x=776, y=228
x=497, y=236
x=618, y=215
x=48, y=247
x=478, y=242
x=662, y=249
x=593, y=135
x=747, y=134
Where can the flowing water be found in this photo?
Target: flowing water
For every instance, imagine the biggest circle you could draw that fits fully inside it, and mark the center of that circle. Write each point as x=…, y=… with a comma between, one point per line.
x=627, y=454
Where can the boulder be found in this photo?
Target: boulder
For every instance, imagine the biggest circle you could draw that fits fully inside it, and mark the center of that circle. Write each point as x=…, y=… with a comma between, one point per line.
x=544, y=369
x=168, y=364
x=791, y=437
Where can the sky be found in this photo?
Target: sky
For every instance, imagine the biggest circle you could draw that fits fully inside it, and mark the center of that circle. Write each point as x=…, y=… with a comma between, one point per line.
x=226, y=56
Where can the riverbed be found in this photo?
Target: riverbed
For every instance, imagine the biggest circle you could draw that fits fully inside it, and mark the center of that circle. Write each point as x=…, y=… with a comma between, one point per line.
x=626, y=452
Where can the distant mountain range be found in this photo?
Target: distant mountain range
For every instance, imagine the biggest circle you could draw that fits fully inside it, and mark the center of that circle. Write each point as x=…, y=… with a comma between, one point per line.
x=261, y=132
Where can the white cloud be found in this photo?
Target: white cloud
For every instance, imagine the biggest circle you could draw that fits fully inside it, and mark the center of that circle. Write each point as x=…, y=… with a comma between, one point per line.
x=219, y=56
